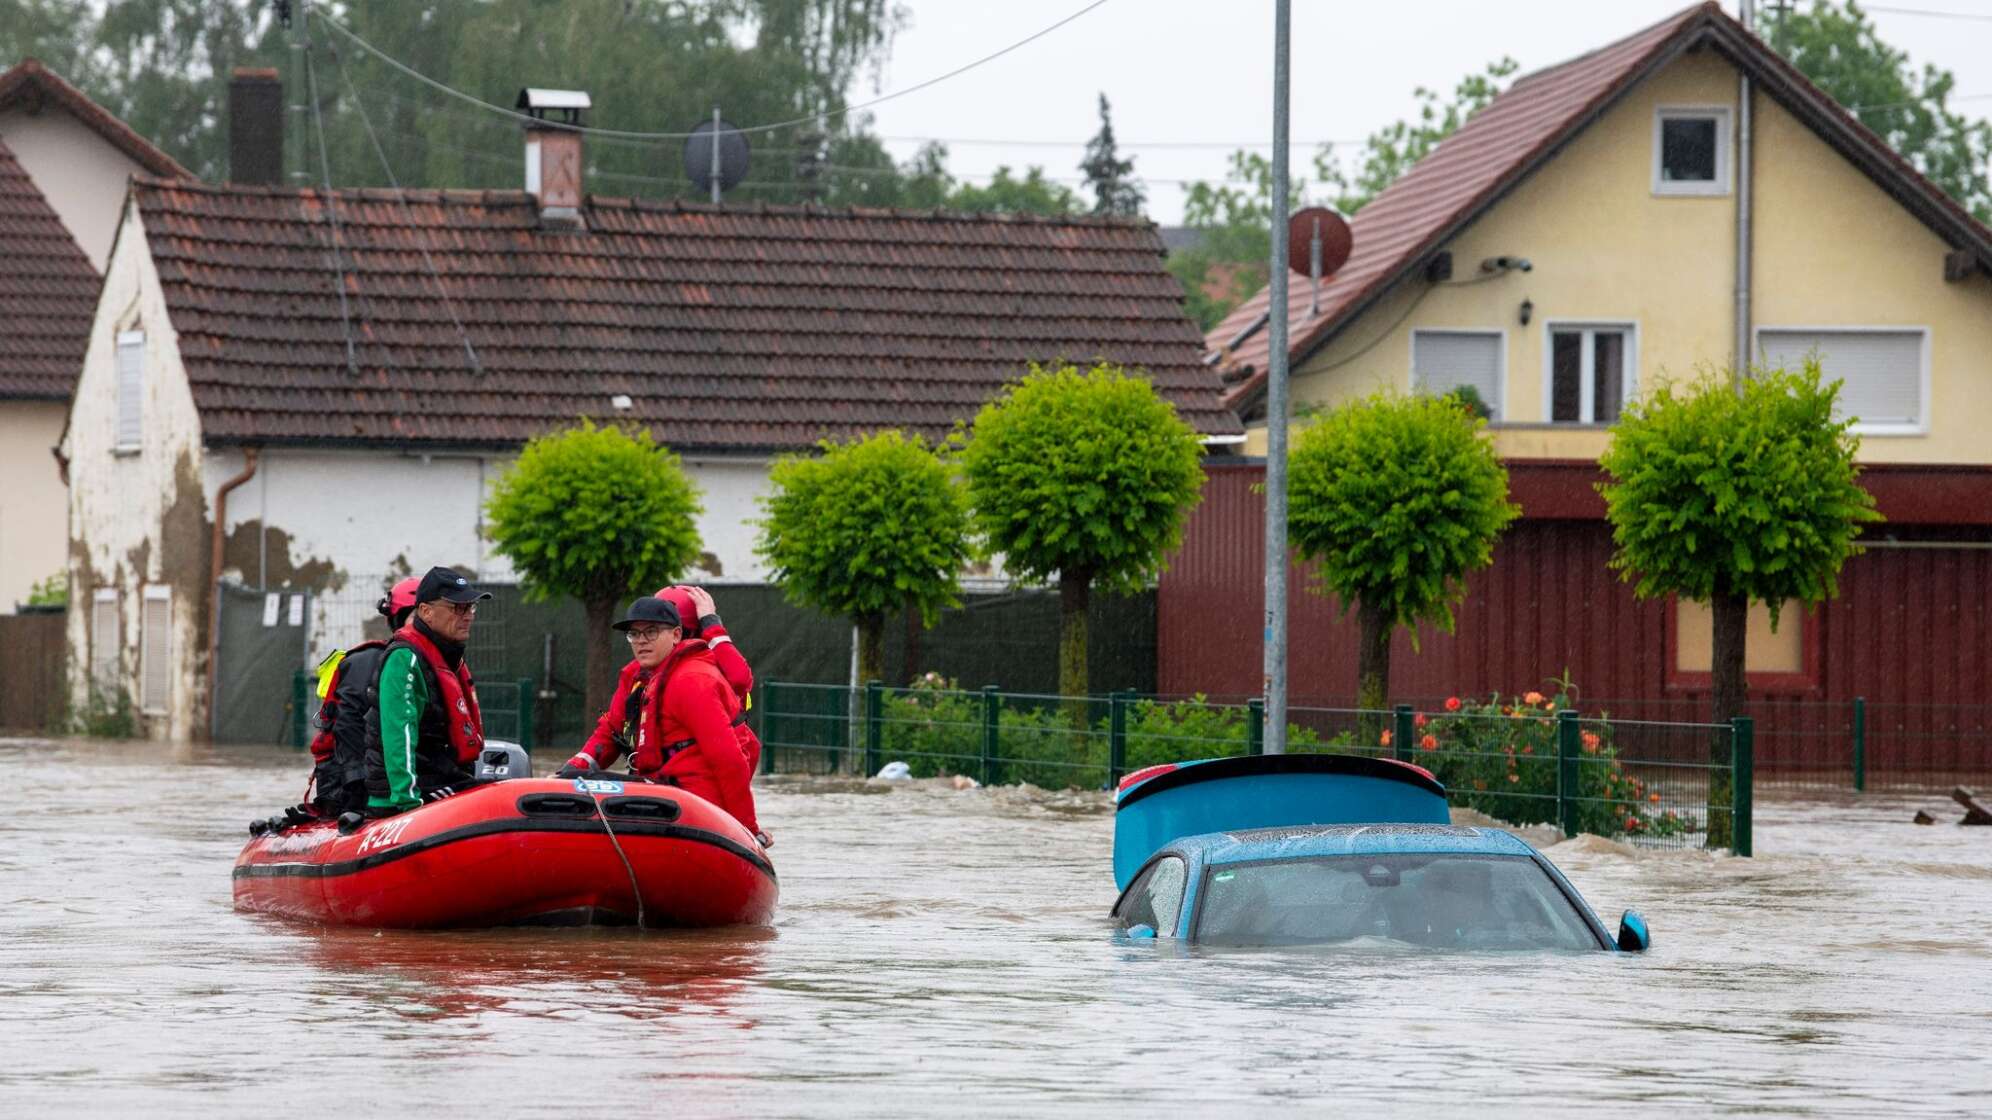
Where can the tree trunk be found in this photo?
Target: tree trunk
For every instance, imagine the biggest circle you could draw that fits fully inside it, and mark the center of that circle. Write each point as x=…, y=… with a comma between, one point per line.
x=914, y=625
x=1732, y=622
x=1372, y=670
x=1075, y=589
x=602, y=660
x=871, y=648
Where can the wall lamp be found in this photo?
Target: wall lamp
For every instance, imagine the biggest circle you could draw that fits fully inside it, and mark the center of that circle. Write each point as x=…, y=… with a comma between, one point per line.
x=1506, y=264
x=1528, y=308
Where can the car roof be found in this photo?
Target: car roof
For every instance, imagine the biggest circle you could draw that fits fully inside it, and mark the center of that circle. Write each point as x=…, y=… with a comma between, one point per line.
x=1309, y=841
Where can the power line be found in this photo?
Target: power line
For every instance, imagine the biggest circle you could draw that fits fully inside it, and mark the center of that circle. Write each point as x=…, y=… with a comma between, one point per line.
x=1929, y=13
x=612, y=133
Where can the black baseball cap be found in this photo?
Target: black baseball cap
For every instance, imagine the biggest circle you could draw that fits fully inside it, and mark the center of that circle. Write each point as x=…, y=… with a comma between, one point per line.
x=441, y=583
x=650, y=609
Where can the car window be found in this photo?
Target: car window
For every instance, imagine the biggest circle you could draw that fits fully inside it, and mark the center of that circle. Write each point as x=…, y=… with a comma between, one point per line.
x=1439, y=901
x=1155, y=898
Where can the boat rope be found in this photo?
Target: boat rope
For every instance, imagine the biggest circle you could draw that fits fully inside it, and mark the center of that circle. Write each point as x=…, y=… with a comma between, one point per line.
x=635, y=889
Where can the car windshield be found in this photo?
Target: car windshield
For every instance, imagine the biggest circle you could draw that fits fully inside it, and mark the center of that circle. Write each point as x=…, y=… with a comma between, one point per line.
x=1439, y=901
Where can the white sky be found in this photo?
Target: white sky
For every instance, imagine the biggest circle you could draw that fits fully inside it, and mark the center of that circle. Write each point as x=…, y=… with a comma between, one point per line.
x=1182, y=71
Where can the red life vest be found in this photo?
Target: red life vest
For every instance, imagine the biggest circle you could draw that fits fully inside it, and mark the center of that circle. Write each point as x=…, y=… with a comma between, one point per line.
x=459, y=695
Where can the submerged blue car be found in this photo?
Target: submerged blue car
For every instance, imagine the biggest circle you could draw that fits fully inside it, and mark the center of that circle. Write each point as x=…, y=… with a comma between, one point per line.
x=1318, y=849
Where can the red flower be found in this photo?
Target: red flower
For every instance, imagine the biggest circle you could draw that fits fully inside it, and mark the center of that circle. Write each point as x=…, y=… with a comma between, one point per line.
x=1591, y=742
x=1528, y=750
x=1384, y=739
x=1420, y=720
x=1452, y=703
x=1654, y=798
x=1429, y=742
x=1532, y=698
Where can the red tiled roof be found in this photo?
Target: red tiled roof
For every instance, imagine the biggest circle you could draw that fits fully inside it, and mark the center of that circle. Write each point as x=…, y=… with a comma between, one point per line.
x=1396, y=234
x=48, y=292
x=759, y=328
x=33, y=83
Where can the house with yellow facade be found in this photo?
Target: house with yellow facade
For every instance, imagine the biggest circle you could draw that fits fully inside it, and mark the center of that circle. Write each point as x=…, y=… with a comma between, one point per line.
x=1677, y=204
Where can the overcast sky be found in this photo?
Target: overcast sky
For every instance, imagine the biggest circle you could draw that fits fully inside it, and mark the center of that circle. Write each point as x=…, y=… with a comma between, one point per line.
x=1184, y=71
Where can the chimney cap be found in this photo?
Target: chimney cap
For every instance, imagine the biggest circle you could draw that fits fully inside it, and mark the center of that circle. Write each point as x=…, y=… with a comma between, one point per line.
x=539, y=101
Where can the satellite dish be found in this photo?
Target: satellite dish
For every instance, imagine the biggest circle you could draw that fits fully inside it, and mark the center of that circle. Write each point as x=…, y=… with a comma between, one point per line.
x=716, y=170
x=1318, y=224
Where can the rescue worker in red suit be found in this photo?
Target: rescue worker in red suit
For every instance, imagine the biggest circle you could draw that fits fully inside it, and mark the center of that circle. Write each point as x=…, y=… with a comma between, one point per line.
x=700, y=618
x=677, y=718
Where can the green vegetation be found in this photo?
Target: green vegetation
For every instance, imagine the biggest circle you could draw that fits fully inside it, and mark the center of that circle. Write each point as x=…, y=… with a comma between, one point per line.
x=866, y=528
x=1396, y=498
x=1732, y=496
x=1088, y=477
x=51, y=592
x=1109, y=177
x=599, y=514
x=1837, y=47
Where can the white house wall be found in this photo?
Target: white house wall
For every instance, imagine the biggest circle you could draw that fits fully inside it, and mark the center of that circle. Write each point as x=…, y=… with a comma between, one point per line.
x=80, y=173
x=34, y=507
x=138, y=518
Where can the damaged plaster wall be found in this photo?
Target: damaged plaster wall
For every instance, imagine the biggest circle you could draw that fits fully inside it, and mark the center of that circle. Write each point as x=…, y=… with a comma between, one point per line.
x=138, y=516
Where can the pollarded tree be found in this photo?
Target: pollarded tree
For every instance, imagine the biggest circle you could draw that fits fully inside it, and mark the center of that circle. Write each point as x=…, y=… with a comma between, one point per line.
x=600, y=514
x=1088, y=477
x=1729, y=498
x=1396, y=498
x=864, y=529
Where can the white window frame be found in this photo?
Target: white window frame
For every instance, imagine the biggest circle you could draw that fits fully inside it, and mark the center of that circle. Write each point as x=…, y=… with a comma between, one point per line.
x=1499, y=405
x=119, y=446
x=154, y=706
x=1586, y=389
x=103, y=662
x=1724, y=172
x=1922, y=426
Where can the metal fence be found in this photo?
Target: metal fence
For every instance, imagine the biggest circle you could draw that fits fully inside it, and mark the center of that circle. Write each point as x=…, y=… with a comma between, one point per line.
x=507, y=708
x=1650, y=783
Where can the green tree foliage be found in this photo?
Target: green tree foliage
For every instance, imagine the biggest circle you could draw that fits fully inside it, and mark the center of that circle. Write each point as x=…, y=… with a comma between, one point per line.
x=1836, y=46
x=1108, y=176
x=599, y=514
x=864, y=529
x=51, y=592
x=1729, y=498
x=1085, y=476
x=1396, y=498
x=1234, y=217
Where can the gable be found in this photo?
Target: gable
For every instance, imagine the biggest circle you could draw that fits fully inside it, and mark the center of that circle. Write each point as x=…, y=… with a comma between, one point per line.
x=47, y=292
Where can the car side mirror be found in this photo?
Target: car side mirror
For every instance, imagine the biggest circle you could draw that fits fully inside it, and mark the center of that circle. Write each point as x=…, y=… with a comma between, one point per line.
x=1141, y=931
x=1633, y=937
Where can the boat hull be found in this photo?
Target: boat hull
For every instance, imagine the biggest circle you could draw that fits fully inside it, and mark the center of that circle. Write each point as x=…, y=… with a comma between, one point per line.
x=525, y=851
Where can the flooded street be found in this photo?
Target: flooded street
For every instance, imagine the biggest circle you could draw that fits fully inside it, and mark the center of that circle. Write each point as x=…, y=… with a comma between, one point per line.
x=941, y=952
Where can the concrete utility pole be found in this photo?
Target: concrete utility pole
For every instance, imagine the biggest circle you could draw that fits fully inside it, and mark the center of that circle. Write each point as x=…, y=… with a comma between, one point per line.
x=1276, y=405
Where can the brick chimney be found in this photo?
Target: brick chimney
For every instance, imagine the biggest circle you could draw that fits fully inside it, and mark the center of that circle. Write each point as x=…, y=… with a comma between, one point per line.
x=553, y=154
x=255, y=127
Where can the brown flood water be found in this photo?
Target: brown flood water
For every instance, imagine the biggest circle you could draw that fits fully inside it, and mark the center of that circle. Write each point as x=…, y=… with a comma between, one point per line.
x=947, y=953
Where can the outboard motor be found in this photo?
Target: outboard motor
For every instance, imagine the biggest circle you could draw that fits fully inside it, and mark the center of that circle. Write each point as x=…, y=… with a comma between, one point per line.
x=500, y=760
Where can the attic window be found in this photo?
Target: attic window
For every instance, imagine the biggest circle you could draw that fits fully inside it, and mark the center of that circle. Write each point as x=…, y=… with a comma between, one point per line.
x=1691, y=151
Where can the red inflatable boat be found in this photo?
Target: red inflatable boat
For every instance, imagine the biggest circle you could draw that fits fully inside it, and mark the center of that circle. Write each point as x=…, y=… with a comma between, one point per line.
x=521, y=851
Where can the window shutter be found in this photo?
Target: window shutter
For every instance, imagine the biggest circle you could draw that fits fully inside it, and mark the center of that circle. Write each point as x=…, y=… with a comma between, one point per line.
x=1442, y=361
x=104, y=640
x=155, y=637
x=131, y=388
x=1881, y=371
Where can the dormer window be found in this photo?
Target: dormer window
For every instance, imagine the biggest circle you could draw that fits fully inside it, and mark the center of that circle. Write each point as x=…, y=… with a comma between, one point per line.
x=1691, y=151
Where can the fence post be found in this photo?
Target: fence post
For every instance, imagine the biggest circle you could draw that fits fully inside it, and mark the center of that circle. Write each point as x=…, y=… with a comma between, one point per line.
x=1742, y=776
x=767, y=730
x=1116, y=738
x=1569, y=745
x=874, y=726
x=992, y=709
x=1402, y=729
x=526, y=714
x=1255, y=726
x=301, y=708
x=1860, y=744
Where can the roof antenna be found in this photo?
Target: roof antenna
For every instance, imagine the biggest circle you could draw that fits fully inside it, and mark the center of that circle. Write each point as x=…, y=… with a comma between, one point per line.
x=331, y=204
x=716, y=156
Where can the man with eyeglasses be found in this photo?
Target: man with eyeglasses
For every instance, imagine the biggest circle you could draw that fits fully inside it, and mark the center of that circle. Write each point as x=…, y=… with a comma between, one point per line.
x=428, y=731
x=676, y=717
